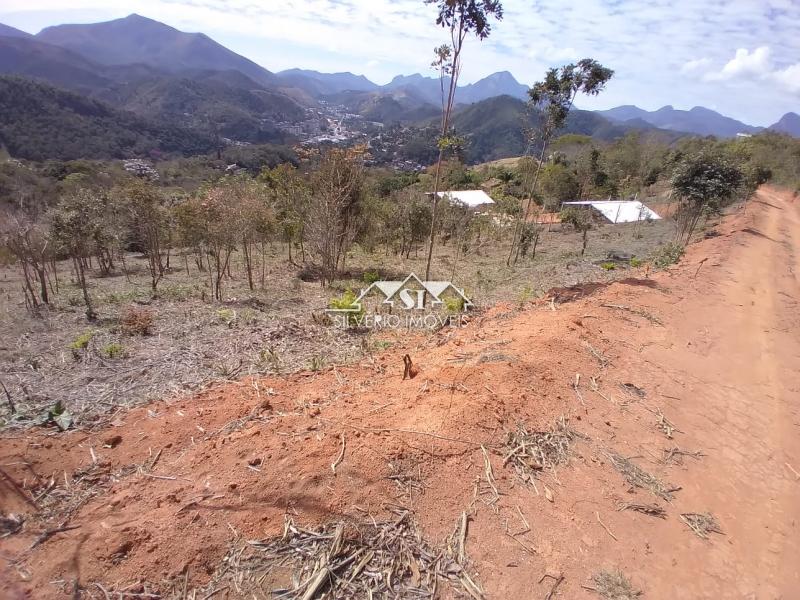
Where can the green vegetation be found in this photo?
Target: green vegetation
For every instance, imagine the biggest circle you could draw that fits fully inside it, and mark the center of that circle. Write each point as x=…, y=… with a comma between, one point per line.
x=82, y=341
x=38, y=122
x=608, y=266
x=668, y=254
x=636, y=262
x=113, y=350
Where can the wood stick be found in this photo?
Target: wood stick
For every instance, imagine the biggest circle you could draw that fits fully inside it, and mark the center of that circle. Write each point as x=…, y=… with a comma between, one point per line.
x=338, y=458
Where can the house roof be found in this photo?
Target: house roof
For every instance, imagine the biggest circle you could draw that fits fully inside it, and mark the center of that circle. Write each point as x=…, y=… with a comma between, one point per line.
x=619, y=211
x=471, y=198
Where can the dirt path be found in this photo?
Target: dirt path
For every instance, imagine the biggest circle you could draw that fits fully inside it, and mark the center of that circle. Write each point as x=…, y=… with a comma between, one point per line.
x=712, y=344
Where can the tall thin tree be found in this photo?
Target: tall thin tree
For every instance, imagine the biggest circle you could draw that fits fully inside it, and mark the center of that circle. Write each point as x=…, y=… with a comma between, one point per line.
x=551, y=100
x=461, y=18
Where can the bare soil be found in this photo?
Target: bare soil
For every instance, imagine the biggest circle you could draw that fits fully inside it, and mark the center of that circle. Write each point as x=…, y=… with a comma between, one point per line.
x=274, y=329
x=681, y=388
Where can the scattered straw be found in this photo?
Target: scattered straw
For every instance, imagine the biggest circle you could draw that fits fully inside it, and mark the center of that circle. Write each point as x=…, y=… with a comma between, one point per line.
x=653, y=510
x=701, y=523
x=532, y=452
x=638, y=477
x=614, y=585
x=675, y=455
x=346, y=560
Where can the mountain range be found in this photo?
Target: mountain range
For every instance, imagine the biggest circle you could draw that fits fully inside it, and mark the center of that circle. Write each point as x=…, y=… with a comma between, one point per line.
x=158, y=73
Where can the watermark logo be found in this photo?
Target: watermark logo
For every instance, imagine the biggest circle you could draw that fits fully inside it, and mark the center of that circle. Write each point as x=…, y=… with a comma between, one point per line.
x=407, y=304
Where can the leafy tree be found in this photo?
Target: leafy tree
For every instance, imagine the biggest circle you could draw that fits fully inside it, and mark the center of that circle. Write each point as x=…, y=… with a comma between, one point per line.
x=291, y=194
x=74, y=227
x=553, y=98
x=148, y=218
x=460, y=18
x=703, y=182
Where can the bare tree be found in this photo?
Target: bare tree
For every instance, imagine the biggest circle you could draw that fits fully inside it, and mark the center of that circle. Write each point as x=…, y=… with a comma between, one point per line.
x=29, y=242
x=333, y=208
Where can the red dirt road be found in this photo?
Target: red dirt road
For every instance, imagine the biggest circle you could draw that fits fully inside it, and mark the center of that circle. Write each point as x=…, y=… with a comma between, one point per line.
x=714, y=343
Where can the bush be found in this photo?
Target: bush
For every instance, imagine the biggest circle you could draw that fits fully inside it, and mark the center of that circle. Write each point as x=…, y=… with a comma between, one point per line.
x=455, y=304
x=82, y=341
x=371, y=277
x=114, y=350
x=344, y=302
x=668, y=254
x=608, y=266
x=636, y=262
x=137, y=321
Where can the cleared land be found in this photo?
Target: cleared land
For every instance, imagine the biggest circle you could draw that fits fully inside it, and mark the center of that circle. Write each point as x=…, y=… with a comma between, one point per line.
x=671, y=396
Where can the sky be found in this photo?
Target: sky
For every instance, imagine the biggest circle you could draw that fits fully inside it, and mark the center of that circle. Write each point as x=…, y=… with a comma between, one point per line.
x=739, y=57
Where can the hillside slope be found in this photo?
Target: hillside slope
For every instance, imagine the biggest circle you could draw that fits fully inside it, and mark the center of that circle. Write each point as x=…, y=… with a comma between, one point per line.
x=652, y=397
x=38, y=121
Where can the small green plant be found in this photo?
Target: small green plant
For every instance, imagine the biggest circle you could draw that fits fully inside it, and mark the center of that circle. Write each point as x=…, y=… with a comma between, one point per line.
x=455, y=304
x=82, y=341
x=609, y=266
x=317, y=362
x=636, y=262
x=668, y=254
x=370, y=277
x=113, y=350
x=226, y=316
x=346, y=302
x=525, y=295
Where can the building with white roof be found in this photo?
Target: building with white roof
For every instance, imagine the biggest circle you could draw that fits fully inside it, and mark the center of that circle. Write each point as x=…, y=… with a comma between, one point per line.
x=619, y=211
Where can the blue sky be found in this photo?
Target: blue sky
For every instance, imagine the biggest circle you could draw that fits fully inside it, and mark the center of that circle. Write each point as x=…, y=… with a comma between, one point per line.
x=740, y=57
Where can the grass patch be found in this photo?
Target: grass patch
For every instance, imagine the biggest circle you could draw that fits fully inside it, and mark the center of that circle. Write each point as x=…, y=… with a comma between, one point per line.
x=608, y=266
x=667, y=255
x=614, y=585
x=113, y=350
x=82, y=341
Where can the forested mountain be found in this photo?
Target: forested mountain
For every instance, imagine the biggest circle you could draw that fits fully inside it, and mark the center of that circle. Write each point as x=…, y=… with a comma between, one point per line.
x=494, y=128
x=39, y=122
x=698, y=120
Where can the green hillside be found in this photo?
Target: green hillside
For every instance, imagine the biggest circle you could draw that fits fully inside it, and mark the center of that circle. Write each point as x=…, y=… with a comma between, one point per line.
x=38, y=121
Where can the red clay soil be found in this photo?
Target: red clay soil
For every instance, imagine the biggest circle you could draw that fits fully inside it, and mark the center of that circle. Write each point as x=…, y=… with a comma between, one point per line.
x=712, y=342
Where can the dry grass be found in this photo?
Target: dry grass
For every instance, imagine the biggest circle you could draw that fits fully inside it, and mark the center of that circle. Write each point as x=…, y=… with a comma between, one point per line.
x=614, y=585
x=344, y=560
x=701, y=524
x=532, y=452
x=653, y=510
x=638, y=477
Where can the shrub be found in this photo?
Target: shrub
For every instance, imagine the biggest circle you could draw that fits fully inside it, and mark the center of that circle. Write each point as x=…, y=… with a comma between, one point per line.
x=82, y=341
x=636, y=262
x=455, y=304
x=609, y=266
x=346, y=302
x=137, y=321
x=114, y=350
x=227, y=316
x=668, y=254
x=371, y=277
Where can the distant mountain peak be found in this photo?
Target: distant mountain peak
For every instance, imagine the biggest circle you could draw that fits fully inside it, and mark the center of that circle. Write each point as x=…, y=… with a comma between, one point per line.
x=789, y=124
x=8, y=31
x=699, y=120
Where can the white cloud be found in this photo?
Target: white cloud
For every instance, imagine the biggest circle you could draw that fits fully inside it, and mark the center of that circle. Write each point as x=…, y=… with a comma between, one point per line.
x=696, y=65
x=789, y=78
x=756, y=64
